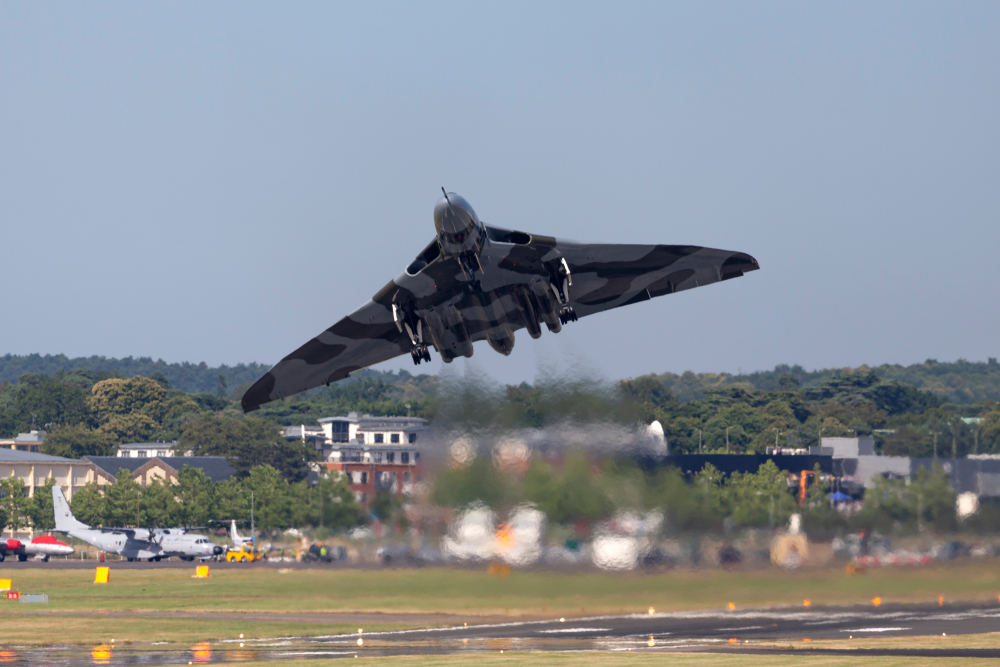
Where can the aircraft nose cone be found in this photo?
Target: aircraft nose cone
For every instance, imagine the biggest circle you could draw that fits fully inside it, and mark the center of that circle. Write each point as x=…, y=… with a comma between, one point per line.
x=217, y=550
x=453, y=214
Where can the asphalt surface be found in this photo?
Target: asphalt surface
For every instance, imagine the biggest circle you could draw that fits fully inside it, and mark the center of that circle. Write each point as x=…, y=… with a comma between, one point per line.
x=752, y=631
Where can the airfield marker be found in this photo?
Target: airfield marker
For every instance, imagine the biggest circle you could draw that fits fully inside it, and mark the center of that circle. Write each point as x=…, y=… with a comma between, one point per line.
x=877, y=601
x=102, y=575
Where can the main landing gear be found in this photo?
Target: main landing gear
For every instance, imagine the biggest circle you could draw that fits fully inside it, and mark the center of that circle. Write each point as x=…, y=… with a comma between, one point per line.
x=414, y=328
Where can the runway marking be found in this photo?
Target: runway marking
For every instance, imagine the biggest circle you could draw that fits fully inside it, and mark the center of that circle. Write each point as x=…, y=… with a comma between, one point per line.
x=877, y=630
x=575, y=630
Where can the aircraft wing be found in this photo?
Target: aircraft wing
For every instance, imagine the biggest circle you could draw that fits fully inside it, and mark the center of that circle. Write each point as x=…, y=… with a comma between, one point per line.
x=607, y=276
x=365, y=337
x=604, y=276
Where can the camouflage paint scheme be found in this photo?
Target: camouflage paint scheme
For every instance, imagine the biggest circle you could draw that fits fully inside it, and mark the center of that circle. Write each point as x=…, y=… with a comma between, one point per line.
x=477, y=282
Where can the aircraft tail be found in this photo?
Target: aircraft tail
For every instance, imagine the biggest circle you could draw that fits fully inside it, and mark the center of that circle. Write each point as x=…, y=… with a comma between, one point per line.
x=65, y=521
x=238, y=540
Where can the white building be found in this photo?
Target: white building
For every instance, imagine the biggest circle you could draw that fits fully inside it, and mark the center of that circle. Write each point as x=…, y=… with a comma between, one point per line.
x=148, y=450
x=359, y=438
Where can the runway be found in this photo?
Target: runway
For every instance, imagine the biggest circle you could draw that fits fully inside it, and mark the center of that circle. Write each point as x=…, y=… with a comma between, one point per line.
x=757, y=631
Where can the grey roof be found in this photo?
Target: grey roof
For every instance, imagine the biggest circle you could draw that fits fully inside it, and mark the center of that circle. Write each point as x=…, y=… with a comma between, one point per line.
x=151, y=445
x=17, y=456
x=216, y=467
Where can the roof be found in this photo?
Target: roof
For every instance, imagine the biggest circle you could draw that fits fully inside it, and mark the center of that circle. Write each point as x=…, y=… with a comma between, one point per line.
x=216, y=467
x=148, y=445
x=355, y=418
x=17, y=456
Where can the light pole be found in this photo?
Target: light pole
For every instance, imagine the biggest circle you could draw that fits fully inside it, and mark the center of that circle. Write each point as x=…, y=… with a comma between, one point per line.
x=699, y=440
x=727, y=438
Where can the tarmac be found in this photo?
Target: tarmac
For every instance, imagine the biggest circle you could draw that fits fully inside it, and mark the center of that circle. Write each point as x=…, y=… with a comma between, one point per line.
x=751, y=631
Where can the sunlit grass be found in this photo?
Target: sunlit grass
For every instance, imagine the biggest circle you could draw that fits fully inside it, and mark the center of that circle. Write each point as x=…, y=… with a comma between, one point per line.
x=476, y=592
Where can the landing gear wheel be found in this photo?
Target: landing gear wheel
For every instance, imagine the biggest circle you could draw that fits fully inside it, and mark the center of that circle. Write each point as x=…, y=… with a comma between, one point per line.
x=22, y=557
x=420, y=353
x=130, y=559
x=157, y=558
x=45, y=559
x=567, y=314
x=3, y=556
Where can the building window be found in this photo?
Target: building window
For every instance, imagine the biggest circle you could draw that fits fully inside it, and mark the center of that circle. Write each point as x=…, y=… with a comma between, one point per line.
x=391, y=457
x=364, y=478
x=404, y=457
x=379, y=438
x=378, y=457
x=394, y=438
x=413, y=438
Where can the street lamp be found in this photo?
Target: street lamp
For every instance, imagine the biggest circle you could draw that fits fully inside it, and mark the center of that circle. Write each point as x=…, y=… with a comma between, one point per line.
x=699, y=440
x=727, y=438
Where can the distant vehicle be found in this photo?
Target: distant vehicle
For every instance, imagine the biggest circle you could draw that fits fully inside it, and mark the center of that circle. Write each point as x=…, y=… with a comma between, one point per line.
x=41, y=548
x=134, y=543
x=245, y=553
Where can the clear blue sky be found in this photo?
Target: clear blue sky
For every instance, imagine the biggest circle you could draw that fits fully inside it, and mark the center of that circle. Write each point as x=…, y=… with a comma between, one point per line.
x=222, y=181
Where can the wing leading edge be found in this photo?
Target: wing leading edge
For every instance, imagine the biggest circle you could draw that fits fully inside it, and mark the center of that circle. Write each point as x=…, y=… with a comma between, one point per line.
x=607, y=276
x=365, y=337
x=603, y=276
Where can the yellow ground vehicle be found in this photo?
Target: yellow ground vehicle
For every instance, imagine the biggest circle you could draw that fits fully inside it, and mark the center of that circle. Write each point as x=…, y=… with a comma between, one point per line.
x=245, y=554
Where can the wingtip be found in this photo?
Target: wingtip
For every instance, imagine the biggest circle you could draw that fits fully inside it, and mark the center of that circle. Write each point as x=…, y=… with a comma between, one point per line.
x=258, y=394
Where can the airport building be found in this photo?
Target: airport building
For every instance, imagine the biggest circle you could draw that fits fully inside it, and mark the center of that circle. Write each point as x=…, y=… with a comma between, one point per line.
x=148, y=469
x=34, y=468
x=376, y=453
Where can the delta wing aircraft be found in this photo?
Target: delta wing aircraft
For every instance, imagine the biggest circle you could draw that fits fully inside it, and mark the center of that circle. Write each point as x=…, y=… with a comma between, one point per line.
x=478, y=282
x=133, y=543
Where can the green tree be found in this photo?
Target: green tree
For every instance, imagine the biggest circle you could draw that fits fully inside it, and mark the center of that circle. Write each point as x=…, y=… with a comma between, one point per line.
x=121, y=502
x=15, y=503
x=246, y=442
x=270, y=491
x=339, y=509
x=77, y=441
x=196, y=496
x=128, y=409
x=88, y=505
x=574, y=495
x=38, y=400
x=158, y=506
x=41, y=510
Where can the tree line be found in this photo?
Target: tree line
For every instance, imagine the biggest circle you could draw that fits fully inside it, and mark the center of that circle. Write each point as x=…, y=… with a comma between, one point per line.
x=192, y=501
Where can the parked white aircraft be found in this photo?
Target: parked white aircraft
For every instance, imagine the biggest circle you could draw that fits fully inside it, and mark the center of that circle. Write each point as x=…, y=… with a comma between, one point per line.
x=41, y=548
x=238, y=540
x=134, y=543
